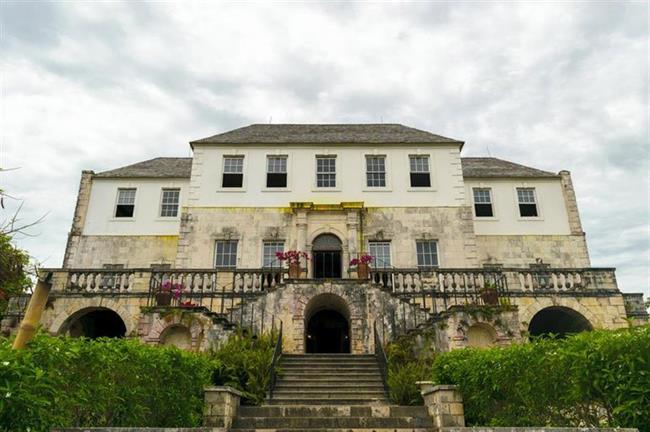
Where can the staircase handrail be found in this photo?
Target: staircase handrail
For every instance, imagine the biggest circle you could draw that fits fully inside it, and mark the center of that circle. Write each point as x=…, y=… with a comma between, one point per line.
x=277, y=354
x=380, y=354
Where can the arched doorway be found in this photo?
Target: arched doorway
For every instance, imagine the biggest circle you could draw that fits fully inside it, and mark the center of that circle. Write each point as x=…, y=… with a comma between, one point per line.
x=327, y=325
x=326, y=252
x=559, y=321
x=94, y=323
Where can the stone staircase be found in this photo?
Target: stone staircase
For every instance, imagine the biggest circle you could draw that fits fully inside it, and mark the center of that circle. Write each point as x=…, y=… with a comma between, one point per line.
x=333, y=392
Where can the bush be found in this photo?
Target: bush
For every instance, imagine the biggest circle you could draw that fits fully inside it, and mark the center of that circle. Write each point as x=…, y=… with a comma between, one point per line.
x=598, y=378
x=243, y=362
x=406, y=365
x=69, y=382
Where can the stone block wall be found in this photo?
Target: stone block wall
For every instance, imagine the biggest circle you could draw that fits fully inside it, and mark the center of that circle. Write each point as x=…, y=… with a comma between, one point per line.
x=130, y=251
x=561, y=251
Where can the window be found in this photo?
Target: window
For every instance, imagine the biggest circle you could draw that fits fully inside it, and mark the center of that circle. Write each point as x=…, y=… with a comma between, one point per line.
x=427, y=251
x=169, y=202
x=225, y=254
x=420, y=176
x=325, y=171
x=376, y=171
x=276, y=172
x=270, y=248
x=380, y=250
x=483, y=202
x=125, y=203
x=233, y=172
x=527, y=202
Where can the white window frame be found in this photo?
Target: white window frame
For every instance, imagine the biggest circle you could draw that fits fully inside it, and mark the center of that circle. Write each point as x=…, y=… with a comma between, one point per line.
x=162, y=203
x=337, y=180
x=367, y=187
x=432, y=179
x=376, y=263
x=286, y=157
x=437, y=254
x=492, y=203
x=234, y=266
x=537, y=203
x=277, y=263
x=221, y=172
x=117, y=202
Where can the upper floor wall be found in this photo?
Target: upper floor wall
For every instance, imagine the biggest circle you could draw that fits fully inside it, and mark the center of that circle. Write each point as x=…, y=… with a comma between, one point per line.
x=356, y=170
x=518, y=206
x=135, y=206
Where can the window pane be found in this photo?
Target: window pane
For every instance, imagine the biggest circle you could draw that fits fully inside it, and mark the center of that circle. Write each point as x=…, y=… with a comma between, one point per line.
x=482, y=196
x=170, y=201
x=427, y=253
x=232, y=180
x=526, y=195
x=270, y=248
x=483, y=210
x=419, y=164
x=276, y=180
x=381, y=253
x=125, y=203
x=276, y=164
x=528, y=210
x=376, y=171
x=225, y=253
x=420, y=180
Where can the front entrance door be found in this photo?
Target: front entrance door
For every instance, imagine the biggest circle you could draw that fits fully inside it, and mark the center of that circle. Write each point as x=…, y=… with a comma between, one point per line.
x=326, y=252
x=328, y=332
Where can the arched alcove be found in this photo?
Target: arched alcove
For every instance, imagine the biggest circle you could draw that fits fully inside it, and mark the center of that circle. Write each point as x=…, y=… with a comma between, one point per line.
x=481, y=336
x=178, y=336
x=327, y=257
x=94, y=322
x=327, y=325
x=558, y=320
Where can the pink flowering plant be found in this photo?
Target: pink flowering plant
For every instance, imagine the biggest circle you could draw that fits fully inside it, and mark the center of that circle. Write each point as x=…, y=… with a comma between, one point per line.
x=176, y=289
x=292, y=256
x=363, y=259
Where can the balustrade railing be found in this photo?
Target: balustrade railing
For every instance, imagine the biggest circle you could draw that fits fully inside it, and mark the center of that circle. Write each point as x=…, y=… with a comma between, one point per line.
x=100, y=280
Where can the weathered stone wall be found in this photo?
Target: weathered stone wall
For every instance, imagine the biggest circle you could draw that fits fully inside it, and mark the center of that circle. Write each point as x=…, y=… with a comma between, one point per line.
x=562, y=251
x=130, y=251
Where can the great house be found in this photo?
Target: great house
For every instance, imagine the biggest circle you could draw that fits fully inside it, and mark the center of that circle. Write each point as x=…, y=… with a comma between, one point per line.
x=203, y=236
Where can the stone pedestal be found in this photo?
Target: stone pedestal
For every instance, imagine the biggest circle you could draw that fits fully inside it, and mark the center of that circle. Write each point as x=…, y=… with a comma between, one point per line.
x=221, y=405
x=444, y=403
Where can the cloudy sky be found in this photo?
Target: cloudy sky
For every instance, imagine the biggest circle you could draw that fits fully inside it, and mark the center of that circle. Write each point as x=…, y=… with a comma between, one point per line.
x=555, y=85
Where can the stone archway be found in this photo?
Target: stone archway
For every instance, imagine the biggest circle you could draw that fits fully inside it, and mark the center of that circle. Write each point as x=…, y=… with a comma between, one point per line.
x=327, y=325
x=327, y=257
x=94, y=322
x=558, y=320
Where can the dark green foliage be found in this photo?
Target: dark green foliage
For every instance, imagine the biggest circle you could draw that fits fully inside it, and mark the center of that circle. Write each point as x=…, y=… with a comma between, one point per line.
x=14, y=278
x=407, y=364
x=598, y=378
x=243, y=362
x=105, y=382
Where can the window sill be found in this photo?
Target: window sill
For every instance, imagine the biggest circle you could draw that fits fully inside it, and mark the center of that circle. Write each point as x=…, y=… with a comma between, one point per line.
x=530, y=219
x=122, y=219
x=231, y=189
x=377, y=189
x=167, y=219
x=421, y=189
x=326, y=190
x=486, y=218
x=278, y=189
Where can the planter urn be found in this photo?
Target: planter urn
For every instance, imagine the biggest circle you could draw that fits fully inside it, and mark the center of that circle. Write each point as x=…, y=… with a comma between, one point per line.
x=490, y=296
x=163, y=298
x=294, y=270
x=363, y=271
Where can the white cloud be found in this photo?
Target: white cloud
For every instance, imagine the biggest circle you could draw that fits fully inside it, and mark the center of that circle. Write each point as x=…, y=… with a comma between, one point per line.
x=553, y=85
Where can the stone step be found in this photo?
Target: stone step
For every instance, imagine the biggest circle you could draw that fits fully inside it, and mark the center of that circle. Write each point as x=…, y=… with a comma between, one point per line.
x=331, y=422
x=284, y=389
x=333, y=363
x=329, y=375
x=325, y=401
x=332, y=411
x=328, y=355
x=329, y=368
x=409, y=429
x=359, y=385
x=333, y=378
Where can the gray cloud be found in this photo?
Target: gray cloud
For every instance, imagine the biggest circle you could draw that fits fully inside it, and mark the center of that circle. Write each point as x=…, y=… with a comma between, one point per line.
x=553, y=85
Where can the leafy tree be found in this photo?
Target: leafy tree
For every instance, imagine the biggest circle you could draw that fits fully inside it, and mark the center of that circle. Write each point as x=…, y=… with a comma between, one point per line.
x=14, y=277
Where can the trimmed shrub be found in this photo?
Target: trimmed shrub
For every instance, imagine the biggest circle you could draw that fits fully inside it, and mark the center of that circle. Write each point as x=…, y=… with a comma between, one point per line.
x=62, y=382
x=598, y=378
x=407, y=364
x=243, y=362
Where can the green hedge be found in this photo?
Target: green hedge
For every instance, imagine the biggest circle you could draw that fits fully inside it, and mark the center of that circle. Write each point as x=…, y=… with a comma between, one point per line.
x=598, y=378
x=66, y=382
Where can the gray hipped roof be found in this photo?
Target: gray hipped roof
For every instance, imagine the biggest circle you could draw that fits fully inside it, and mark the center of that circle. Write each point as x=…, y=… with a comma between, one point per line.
x=160, y=167
x=473, y=167
x=326, y=134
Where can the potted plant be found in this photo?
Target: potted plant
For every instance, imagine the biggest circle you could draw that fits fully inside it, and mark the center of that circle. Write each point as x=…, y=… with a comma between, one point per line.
x=167, y=291
x=489, y=293
x=292, y=257
x=363, y=265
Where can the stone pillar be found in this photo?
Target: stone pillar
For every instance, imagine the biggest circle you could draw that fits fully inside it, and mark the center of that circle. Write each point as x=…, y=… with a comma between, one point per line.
x=444, y=403
x=221, y=406
x=571, y=203
x=79, y=219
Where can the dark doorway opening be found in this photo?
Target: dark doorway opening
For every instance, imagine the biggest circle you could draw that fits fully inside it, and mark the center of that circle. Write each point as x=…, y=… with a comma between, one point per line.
x=559, y=321
x=98, y=323
x=326, y=252
x=328, y=332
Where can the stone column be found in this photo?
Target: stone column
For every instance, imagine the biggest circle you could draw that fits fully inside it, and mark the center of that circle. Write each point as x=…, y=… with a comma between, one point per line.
x=79, y=219
x=444, y=403
x=221, y=406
